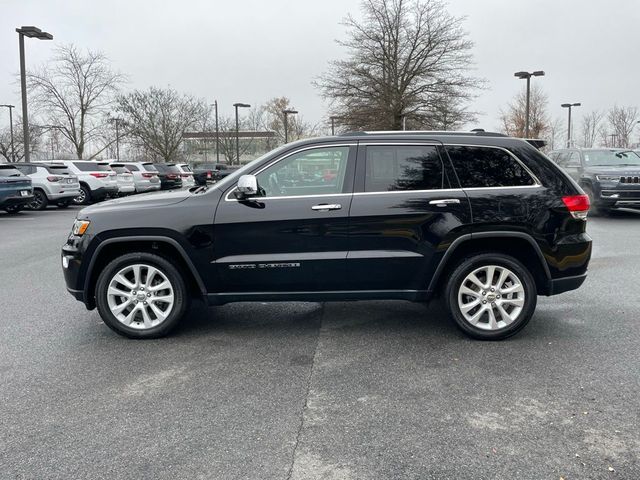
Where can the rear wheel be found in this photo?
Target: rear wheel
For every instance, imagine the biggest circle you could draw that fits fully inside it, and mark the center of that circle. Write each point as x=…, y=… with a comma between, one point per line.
x=40, y=200
x=141, y=295
x=491, y=296
x=11, y=209
x=84, y=197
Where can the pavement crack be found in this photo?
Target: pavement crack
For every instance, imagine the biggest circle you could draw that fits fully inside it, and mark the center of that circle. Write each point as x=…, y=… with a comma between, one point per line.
x=304, y=409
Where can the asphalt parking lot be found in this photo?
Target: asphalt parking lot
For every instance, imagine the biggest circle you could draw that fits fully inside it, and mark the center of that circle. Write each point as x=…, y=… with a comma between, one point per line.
x=362, y=390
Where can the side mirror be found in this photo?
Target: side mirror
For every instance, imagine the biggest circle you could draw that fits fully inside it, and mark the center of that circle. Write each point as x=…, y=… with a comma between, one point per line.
x=247, y=187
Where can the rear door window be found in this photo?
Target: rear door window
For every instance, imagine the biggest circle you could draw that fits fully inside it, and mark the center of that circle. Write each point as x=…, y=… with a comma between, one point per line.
x=481, y=167
x=391, y=168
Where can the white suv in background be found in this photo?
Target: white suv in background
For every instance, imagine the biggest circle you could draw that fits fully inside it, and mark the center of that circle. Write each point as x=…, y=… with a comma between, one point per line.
x=187, y=175
x=145, y=175
x=97, y=180
x=124, y=177
x=51, y=184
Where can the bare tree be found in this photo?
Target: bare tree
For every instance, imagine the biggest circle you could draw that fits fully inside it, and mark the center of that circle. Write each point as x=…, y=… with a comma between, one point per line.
x=622, y=121
x=591, y=125
x=512, y=119
x=158, y=118
x=252, y=121
x=35, y=140
x=272, y=118
x=73, y=92
x=405, y=59
x=555, y=134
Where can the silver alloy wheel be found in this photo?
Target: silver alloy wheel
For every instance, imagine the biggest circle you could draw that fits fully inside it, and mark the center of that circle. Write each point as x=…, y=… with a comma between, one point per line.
x=80, y=199
x=140, y=296
x=491, y=297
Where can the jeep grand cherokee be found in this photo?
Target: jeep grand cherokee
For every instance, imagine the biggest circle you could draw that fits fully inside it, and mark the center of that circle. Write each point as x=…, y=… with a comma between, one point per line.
x=486, y=220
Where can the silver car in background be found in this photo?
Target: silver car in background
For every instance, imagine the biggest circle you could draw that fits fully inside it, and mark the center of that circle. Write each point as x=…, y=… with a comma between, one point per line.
x=145, y=175
x=125, y=180
x=187, y=175
x=51, y=184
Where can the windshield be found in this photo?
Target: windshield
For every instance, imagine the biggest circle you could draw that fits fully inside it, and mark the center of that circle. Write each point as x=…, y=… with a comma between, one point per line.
x=9, y=171
x=611, y=158
x=233, y=177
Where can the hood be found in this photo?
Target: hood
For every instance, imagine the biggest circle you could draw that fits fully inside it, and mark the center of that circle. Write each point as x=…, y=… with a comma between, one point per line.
x=135, y=202
x=631, y=170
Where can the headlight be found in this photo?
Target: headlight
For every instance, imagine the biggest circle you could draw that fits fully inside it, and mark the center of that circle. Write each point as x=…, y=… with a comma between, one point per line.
x=79, y=227
x=608, y=178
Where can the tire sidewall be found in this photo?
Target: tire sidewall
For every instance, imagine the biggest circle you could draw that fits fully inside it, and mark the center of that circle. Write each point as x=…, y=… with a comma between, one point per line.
x=87, y=196
x=472, y=263
x=172, y=273
x=43, y=200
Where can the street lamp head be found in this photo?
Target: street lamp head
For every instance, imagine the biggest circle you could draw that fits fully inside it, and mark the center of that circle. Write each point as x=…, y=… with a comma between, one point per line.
x=289, y=112
x=565, y=105
x=577, y=104
x=34, y=32
x=241, y=105
x=538, y=73
x=522, y=75
x=13, y=106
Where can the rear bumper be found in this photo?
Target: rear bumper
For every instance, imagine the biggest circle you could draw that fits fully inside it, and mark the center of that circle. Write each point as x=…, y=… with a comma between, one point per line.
x=68, y=194
x=565, y=284
x=15, y=200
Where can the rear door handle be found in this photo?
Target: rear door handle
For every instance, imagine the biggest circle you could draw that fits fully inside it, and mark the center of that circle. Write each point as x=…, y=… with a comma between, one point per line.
x=443, y=202
x=327, y=206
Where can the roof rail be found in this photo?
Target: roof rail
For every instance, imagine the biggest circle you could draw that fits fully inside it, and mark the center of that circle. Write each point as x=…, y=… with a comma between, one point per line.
x=478, y=132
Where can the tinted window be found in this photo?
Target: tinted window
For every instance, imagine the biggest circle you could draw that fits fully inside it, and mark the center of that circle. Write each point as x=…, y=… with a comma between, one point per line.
x=131, y=168
x=185, y=168
x=393, y=168
x=487, y=167
x=120, y=169
x=149, y=167
x=92, y=167
x=161, y=167
x=9, y=171
x=57, y=169
x=26, y=169
x=310, y=172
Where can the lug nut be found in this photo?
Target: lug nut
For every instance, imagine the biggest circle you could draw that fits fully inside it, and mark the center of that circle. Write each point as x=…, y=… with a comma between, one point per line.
x=135, y=301
x=144, y=303
x=484, y=293
x=497, y=296
x=493, y=289
x=484, y=301
x=148, y=295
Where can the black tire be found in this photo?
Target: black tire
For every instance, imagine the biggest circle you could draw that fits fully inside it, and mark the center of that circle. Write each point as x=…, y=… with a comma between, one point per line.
x=85, y=196
x=13, y=209
x=39, y=202
x=173, y=274
x=468, y=265
x=64, y=203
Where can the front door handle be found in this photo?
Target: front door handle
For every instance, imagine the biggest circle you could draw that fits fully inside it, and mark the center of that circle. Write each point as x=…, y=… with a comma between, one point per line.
x=327, y=206
x=443, y=202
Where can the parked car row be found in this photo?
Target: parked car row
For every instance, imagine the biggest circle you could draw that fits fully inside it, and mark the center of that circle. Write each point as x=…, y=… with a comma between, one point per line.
x=37, y=185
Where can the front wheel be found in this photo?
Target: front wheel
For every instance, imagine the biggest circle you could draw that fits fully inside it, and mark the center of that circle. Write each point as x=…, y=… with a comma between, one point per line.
x=141, y=295
x=491, y=296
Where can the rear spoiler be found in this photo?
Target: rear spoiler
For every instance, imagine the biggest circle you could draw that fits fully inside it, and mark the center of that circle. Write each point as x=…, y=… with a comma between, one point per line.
x=537, y=142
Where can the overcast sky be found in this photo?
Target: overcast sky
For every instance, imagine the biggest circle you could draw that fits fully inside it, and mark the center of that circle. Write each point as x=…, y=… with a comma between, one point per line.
x=252, y=50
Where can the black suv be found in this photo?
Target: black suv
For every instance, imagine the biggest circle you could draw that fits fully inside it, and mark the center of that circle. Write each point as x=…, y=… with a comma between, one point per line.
x=610, y=176
x=486, y=220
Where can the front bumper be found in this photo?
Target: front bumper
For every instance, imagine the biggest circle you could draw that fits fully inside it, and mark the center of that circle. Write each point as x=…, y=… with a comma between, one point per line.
x=620, y=196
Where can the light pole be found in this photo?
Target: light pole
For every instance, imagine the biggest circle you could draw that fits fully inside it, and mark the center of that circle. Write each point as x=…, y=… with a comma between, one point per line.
x=286, y=124
x=569, y=105
x=238, y=105
x=30, y=32
x=215, y=106
x=333, y=126
x=13, y=149
x=527, y=76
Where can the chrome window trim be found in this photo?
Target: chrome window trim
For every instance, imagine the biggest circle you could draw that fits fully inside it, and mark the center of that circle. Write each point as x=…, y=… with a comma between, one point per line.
x=386, y=192
x=313, y=147
x=537, y=182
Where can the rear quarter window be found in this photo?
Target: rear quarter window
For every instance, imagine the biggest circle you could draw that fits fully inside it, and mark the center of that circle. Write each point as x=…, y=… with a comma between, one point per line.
x=9, y=171
x=92, y=167
x=479, y=167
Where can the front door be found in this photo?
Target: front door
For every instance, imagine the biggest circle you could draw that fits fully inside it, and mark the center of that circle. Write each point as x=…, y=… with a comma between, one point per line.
x=292, y=238
x=406, y=209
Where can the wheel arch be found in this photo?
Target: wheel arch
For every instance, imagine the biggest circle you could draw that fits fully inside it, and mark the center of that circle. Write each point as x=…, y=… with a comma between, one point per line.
x=165, y=246
x=518, y=245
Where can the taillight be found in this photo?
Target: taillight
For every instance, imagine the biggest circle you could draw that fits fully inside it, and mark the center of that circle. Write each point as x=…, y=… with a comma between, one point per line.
x=53, y=178
x=578, y=205
x=147, y=175
x=100, y=175
x=185, y=175
x=208, y=174
x=172, y=176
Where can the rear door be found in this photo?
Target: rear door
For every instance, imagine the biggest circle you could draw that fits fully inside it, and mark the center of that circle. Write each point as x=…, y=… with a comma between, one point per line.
x=406, y=209
x=293, y=238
